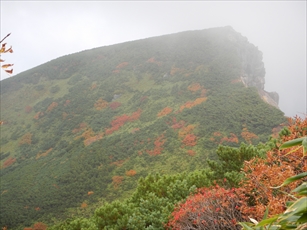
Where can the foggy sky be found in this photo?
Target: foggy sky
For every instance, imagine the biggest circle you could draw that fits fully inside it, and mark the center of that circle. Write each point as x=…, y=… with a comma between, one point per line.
x=42, y=31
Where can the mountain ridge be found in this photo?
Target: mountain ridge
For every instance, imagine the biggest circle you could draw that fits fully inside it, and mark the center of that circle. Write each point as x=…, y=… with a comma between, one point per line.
x=98, y=120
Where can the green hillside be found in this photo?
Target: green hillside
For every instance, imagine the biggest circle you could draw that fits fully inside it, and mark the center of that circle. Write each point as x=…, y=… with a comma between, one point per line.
x=84, y=128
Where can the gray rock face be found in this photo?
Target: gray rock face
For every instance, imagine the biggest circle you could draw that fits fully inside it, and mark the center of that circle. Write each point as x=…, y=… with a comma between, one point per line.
x=253, y=71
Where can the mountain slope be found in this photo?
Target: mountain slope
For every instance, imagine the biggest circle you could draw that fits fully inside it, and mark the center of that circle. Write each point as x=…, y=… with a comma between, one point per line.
x=86, y=126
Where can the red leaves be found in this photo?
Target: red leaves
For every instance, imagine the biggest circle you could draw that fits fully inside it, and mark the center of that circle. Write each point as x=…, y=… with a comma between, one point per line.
x=131, y=173
x=190, y=140
x=114, y=105
x=121, y=120
x=100, y=104
x=191, y=104
x=52, y=106
x=159, y=142
x=26, y=139
x=263, y=174
x=248, y=136
x=9, y=162
x=164, y=111
x=210, y=208
x=117, y=180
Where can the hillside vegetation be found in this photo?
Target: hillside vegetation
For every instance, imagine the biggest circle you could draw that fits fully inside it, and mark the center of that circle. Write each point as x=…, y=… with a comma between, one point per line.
x=81, y=130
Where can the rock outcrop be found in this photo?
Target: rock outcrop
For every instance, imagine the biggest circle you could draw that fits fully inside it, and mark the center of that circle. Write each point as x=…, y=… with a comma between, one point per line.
x=253, y=71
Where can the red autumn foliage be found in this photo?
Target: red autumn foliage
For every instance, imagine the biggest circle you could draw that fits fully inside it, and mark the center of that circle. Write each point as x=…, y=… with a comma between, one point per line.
x=153, y=60
x=185, y=131
x=66, y=102
x=121, y=65
x=117, y=180
x=164, y=111
x=92, y=139
x=219, y=138
x=272, y=171
x=83, y=205
x=90, y=193
x=248, y=136
x=94, y=86
x=9, y=161
x=190, y=140
x=52, y=106
x=131, y=173
x=177, y=125
x=38, y=115
x=114, y=105
x=121, y=120
x=39, y=155
x=82, y=126
x=159, y=142
x=191, y=104
x=39, y=226
x=191, y=152
x=26, y=139
x=28, y=109
x=118, y=163
x=100, y=104
x=210, y=208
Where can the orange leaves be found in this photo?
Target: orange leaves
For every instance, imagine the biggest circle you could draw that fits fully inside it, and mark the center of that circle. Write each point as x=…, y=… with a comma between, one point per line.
x=100, y=104
x=84, y=205
x=165, y=111
x=190, y=140
x=117, y=180
x=185, y=130
x=177, y=125
x=118, y=163
x=210, y=208
x=5, y=50
x=121, y=65
x=194, y=87
x=9, y=161
x=67, y=102
x=26, y=139
x=248, y=136
x=94, y=86
x=82, y=126
x=219, y=138
x=263, y=174
x=39, y=226
x=191, y=104
x=153, y=60
x=90, y=193
x=159, y=142
x=131, y=173
x=191, y=152
x=52, y=106
x=38, y=115
x=88, y=133
x=121, y=120
x=91, y=140
x=39, y=155
x=175, y=70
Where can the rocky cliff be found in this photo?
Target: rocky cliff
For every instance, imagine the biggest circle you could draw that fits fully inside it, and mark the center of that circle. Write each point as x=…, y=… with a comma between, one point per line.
x=253, y=71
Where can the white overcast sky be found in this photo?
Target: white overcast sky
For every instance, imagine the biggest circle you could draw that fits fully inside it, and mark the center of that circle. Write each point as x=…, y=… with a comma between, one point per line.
x=45, y=30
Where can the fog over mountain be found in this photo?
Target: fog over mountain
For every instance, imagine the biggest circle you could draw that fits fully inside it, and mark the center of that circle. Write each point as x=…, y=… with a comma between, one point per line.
x=42, y=31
